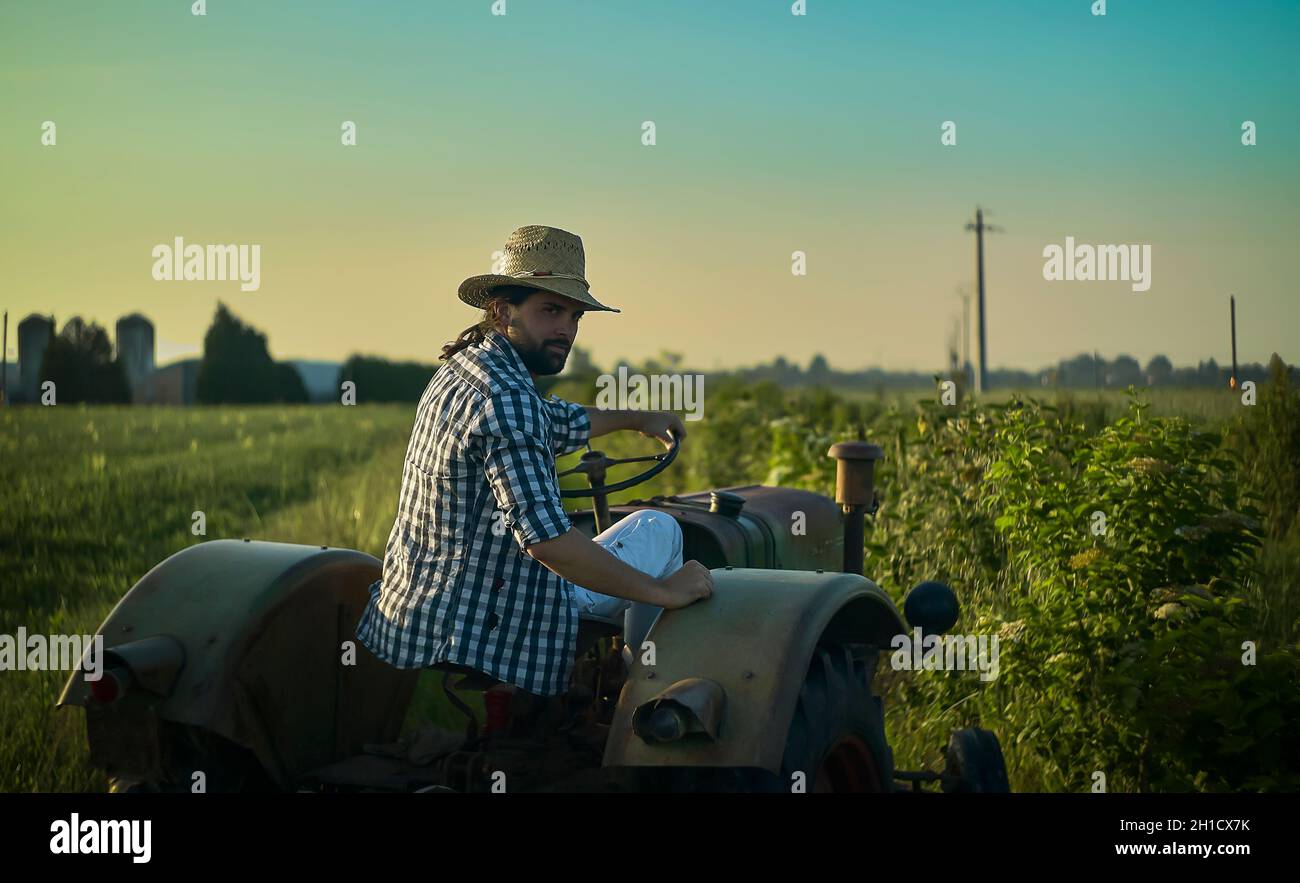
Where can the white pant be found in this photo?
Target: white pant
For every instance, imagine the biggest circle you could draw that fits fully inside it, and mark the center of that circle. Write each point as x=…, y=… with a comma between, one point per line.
x=650, y=541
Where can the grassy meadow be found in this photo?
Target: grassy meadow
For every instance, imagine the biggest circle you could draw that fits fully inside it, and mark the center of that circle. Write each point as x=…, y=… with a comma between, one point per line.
x=92, y=497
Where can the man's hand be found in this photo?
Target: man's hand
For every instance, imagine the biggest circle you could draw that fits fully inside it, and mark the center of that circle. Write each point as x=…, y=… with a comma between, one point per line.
x=692, y=582
x=658, y=424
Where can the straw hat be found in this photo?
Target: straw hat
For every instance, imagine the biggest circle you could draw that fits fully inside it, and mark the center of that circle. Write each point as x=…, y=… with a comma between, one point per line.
x=545, y=258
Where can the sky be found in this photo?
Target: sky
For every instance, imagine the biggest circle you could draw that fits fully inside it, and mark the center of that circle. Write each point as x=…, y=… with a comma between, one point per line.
x=775, y=133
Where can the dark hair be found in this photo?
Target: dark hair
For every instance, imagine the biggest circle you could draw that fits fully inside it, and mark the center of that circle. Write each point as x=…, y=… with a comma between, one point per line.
x=511, y=294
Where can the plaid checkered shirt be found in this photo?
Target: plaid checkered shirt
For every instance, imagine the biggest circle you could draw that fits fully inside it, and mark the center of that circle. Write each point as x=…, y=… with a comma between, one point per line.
x=479, y=484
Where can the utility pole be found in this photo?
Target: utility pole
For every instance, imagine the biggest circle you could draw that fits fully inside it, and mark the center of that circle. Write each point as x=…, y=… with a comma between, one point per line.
x=1232, y=301
x=4, y=364
x=980, y=228
x=965, y=331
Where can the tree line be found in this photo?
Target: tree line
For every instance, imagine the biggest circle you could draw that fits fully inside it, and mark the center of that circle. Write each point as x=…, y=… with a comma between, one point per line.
x=237, y=368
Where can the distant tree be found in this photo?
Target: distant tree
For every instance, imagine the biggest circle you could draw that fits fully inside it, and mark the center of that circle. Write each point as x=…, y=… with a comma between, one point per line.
x=665, y=363
x=379, y=380
x=289, y=382
x=1159, y=371
x=1210, y=374
x=818, y=368
x=80, y=362
x=237, y=367
x=1125, y=371
x=1078, y=371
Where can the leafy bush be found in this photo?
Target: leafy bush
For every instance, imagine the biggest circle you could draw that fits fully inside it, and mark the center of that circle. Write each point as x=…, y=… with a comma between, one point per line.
x=1134, y=629
x=1267, y=435
x=1123, y=640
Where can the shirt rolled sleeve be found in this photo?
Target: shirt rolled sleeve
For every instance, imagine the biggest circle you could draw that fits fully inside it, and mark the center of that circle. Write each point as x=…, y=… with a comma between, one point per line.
x=570, y=425
x=520, y=469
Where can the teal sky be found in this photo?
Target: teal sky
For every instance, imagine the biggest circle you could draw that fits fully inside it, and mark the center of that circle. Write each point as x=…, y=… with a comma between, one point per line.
x=775, y=133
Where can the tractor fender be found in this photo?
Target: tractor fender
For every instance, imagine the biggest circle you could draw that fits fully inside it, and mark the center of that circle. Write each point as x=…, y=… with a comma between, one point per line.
x=261, y=630
x=753, y=639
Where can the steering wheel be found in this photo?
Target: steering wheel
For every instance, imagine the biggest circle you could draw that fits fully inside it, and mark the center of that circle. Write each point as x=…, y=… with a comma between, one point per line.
x=593, y=465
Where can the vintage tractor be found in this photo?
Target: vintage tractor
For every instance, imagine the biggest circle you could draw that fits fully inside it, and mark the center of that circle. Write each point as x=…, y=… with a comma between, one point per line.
x=234, y=666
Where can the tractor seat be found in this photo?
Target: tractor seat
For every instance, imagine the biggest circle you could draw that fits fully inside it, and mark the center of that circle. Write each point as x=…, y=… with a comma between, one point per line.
x=590, y=630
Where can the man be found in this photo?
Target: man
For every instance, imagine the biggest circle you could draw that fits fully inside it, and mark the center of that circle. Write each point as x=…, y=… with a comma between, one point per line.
x=483, y=567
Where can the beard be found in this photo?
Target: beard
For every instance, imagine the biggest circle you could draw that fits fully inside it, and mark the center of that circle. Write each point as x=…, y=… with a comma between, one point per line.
x=537, y=355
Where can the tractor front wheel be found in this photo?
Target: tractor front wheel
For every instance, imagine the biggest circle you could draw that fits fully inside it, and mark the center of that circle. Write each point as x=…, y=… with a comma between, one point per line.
x=835, y=743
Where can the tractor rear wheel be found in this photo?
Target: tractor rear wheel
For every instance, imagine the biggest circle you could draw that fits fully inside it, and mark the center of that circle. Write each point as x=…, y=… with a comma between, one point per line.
x=187, y=751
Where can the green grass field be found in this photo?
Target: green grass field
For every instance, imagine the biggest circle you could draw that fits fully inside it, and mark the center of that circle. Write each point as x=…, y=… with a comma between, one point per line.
x=92, y=497
x=95, y=497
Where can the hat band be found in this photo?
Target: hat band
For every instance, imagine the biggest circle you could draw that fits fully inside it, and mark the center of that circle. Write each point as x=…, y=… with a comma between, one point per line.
x=547, y=273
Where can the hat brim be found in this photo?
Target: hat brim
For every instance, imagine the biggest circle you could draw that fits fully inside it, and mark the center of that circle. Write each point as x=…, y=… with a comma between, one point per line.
x=476, y=290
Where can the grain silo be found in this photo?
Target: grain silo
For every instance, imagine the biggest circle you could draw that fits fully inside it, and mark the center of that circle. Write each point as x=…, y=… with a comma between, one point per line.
x=135, y=347
x=34, y=335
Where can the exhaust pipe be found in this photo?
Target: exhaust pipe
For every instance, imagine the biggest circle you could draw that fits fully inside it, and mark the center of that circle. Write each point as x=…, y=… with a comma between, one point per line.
x=856, y=493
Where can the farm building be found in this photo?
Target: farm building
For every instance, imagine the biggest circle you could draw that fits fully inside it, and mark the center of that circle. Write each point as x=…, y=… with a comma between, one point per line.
x=172, y=384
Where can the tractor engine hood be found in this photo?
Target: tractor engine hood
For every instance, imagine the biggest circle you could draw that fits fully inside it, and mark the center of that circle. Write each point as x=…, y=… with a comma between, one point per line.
x=748, y=526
